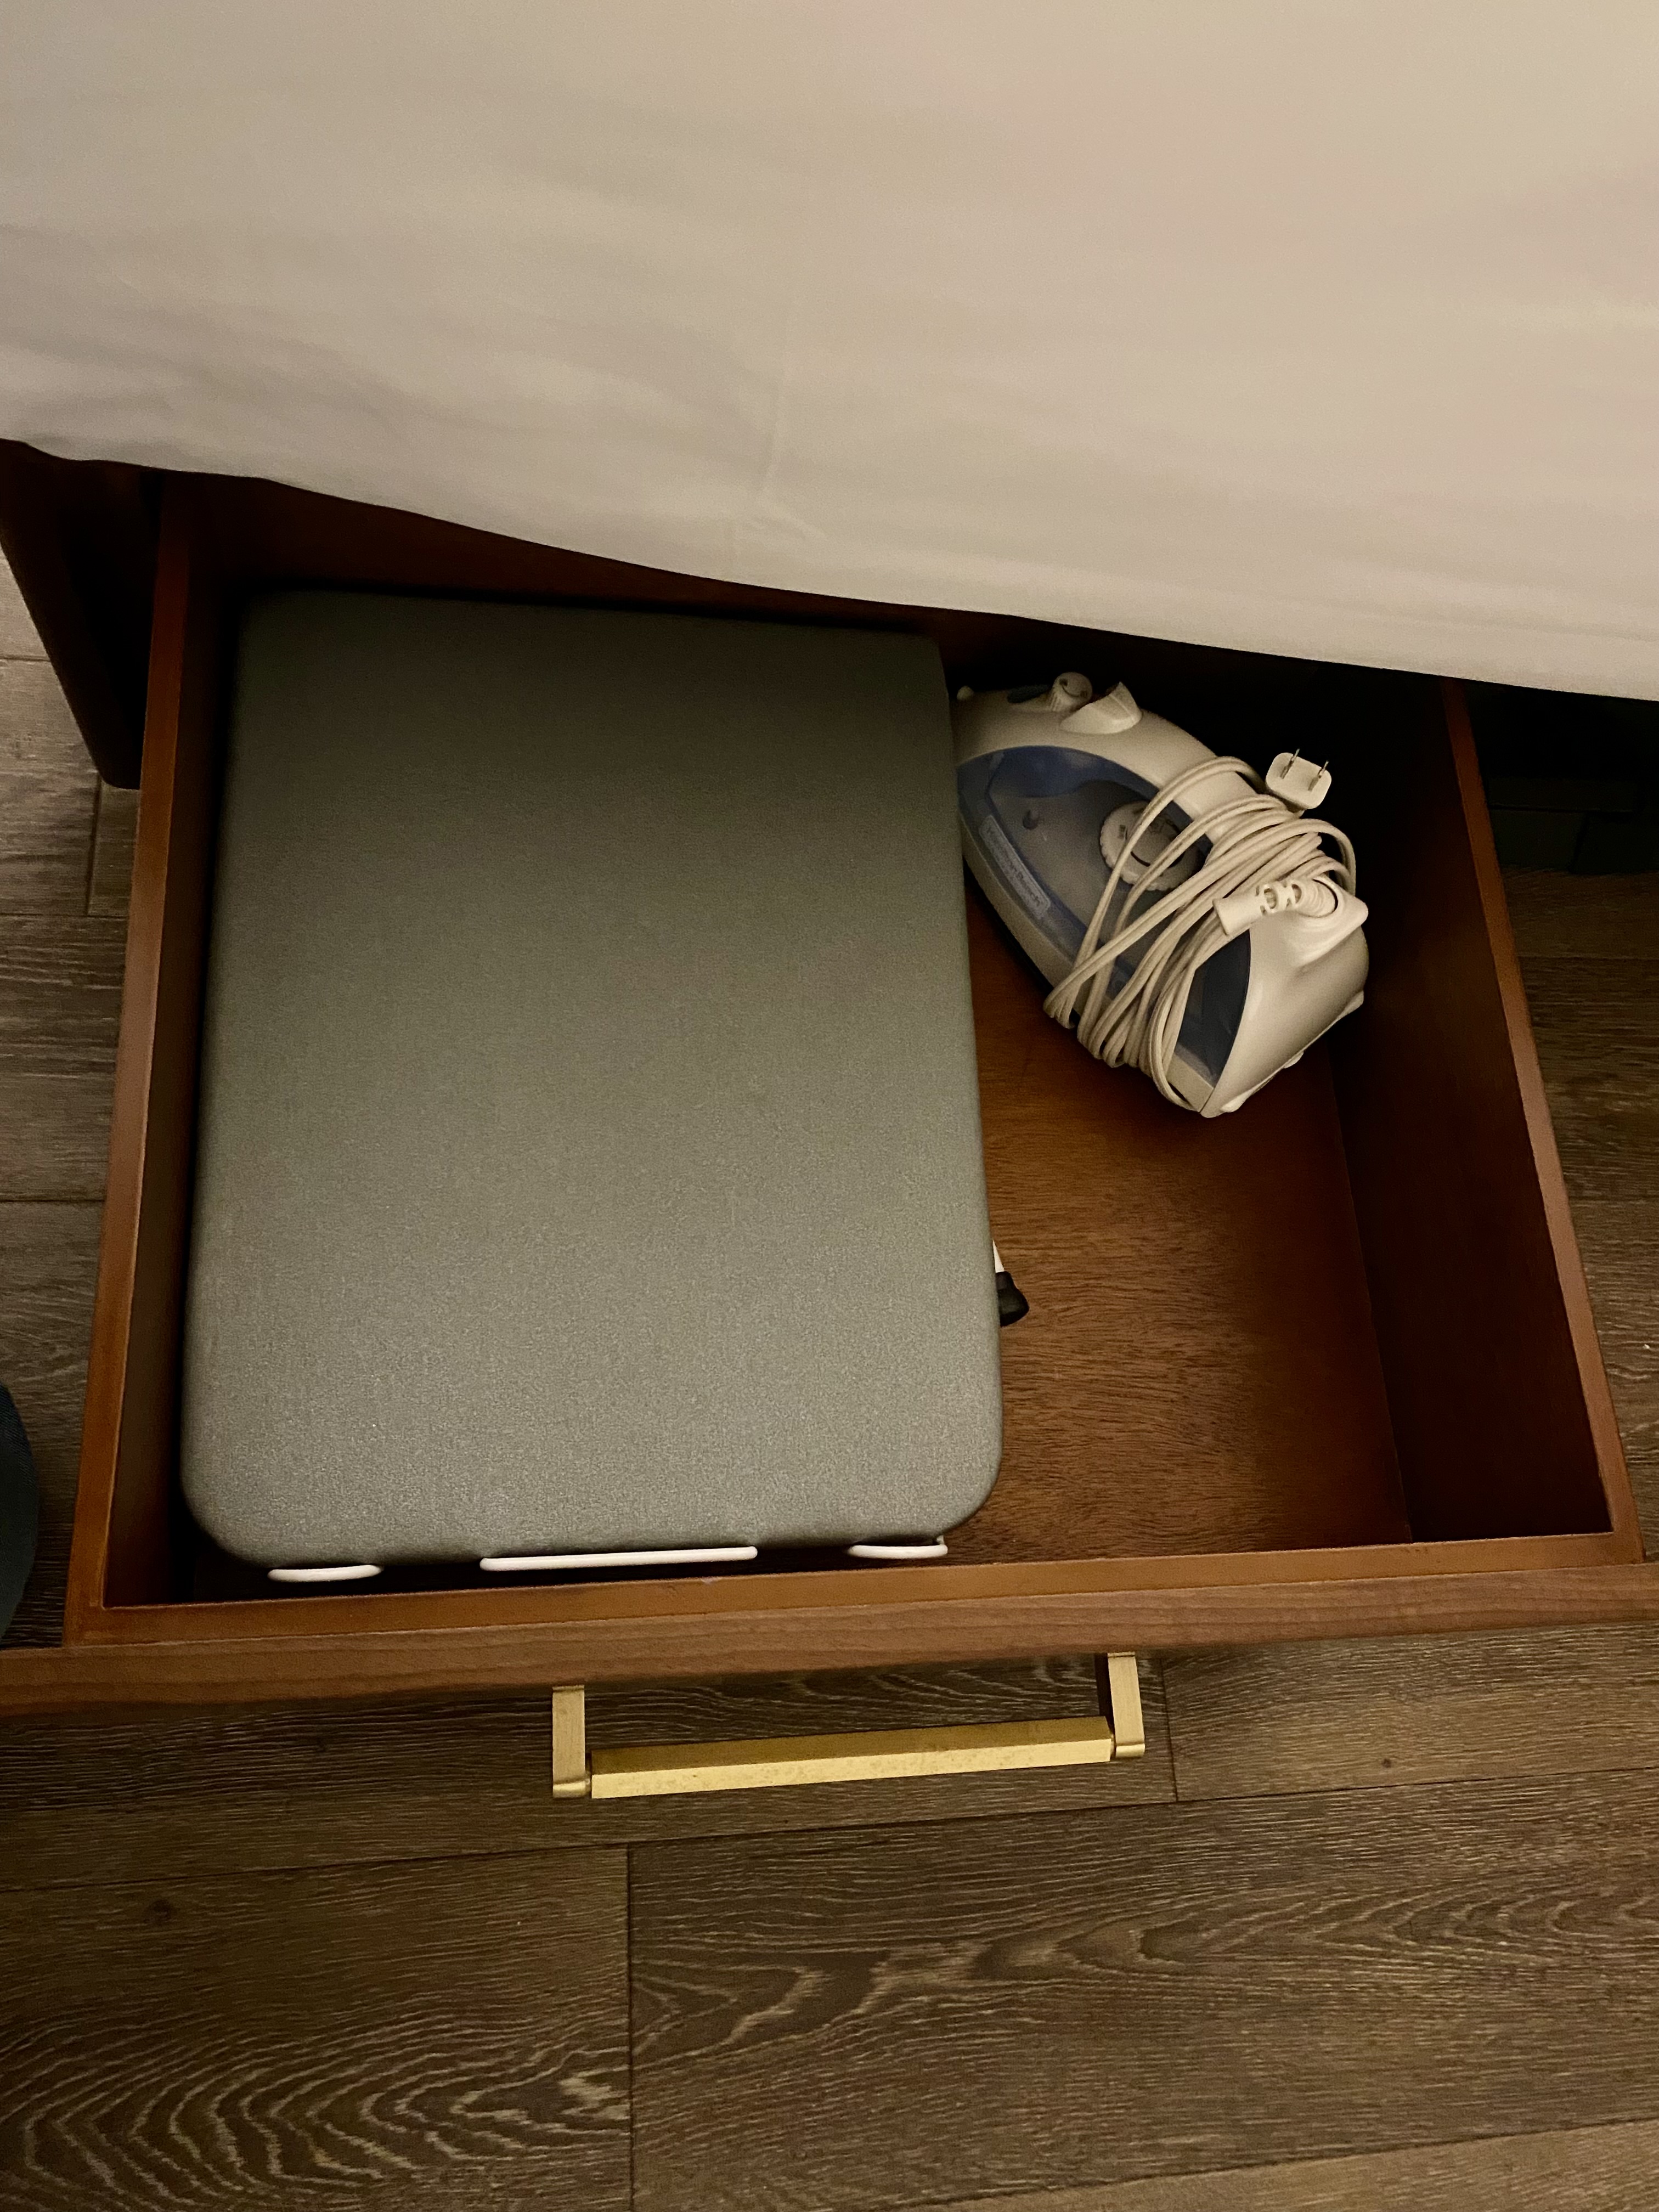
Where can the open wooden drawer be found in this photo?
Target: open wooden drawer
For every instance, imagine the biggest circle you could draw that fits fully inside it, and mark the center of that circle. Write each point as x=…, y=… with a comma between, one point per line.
x=1323, y=1368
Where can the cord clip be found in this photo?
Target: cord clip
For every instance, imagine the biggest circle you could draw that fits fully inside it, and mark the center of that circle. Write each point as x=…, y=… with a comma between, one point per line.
x=1237, y=909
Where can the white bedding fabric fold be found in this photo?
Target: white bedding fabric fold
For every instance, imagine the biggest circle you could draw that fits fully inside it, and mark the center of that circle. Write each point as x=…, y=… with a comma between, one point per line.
x=1323, y=329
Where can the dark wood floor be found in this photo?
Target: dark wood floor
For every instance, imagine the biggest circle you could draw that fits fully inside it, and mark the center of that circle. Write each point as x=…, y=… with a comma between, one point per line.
x=1372, y=1926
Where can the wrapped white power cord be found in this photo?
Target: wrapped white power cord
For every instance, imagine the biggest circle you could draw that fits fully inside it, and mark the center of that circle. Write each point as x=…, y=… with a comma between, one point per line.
x=1263, y=854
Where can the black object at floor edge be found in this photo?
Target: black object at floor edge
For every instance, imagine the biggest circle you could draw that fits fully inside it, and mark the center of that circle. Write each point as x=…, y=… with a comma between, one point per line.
x=19, y=1509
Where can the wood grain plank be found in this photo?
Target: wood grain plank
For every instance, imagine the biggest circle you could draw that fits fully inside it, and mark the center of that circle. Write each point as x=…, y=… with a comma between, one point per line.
x=1222, y=1461
x=47, y=792
x=1613, y=2169
x=1501, y=1415
x=393, y=2036
x=115, y=833
x=56, y=1136
x=1346, y=1715
x=60, y=994
x=1319, y=1716
x=554, y=1640
x=19, y=639
x=1597, y=1026
x=48, y=1266
x=873, y=2021
x=146, y=1797
x=1619, y=1240
x=1586, y=917
x=124, y=1548
x=60, y=1007
x=1592, y=977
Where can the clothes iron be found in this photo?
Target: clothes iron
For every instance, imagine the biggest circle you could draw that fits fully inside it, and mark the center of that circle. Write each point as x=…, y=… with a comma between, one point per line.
x=1193, y=917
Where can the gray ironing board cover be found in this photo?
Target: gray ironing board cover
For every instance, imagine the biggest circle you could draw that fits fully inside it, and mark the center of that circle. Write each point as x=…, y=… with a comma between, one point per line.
x=589, y=1149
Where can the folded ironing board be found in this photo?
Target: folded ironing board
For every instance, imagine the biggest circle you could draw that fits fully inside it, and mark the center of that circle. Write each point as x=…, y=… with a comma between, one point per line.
x=589, y=1151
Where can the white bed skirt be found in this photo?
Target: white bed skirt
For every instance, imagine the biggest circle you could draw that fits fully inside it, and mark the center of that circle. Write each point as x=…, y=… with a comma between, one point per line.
x=1322, y=329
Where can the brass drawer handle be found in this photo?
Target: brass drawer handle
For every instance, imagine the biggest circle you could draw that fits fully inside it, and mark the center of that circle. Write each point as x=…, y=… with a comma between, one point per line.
x=664, y=1770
